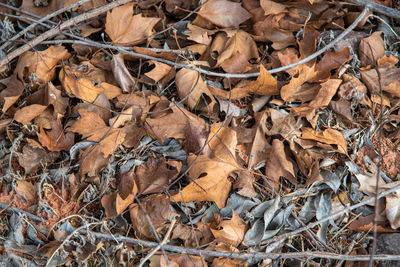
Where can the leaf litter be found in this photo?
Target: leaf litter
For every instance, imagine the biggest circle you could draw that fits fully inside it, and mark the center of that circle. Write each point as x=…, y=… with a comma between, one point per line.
x=100, y=143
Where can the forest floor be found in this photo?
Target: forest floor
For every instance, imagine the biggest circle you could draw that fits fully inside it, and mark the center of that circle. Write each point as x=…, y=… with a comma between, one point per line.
x=199, y=133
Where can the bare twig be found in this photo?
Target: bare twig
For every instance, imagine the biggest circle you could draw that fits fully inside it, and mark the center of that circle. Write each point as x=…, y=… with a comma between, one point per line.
x=164, y=242
x=85, y=16
x=46, y=18
x=100, y=10
x=248, y=256
x=19, y=211
x=390, y=12
x=334, y=215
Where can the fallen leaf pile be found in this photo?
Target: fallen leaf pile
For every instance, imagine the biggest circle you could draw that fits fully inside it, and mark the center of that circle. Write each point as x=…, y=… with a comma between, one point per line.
x=163, y=120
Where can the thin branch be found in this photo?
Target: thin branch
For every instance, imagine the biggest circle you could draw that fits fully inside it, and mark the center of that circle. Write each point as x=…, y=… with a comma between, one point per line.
x=19, y=211
x=98, y=11
x=390, y=12
x=248, y=256
x=54, y=31
x=163, y=243
x=46, y=18
x=282, y=237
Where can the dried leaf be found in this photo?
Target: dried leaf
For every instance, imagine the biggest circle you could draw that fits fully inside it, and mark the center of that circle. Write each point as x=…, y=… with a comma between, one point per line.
x=230, y=231
x=42, y=64
x=328, y=136
x=87, y=89
x=224, y=13
x=26, y=114
x=56, y=139
x=127, y=29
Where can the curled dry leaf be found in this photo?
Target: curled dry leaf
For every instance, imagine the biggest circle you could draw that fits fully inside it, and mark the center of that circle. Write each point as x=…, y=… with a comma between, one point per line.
x=12, y=91
x=305, y=74
x=230, y=231
x=155, y=175
x=26, y=190
x=157, y=207
x=240, y=48
x=193, y=236
x=42, y=64
x=194, y=90
x=76, y=83
x=328, y=136
x=265, y=84
x=280, y=164
x=272, y=8
x=210, y=181
x=26, y=114
x=122, y=75
x=224, y=13
x=56, y=139
x=371, y=49
x=159, y=71
x=127, y=29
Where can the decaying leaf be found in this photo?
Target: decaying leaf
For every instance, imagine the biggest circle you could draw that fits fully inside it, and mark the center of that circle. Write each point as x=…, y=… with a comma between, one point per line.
x=224, y=13
x=126, y=29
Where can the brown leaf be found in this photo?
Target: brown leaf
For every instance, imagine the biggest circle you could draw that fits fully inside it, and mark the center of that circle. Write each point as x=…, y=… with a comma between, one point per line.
x=194, y=90
x=305, y=73
x=78, y=84
x=230, y=231
x=42, y=64
x=127, y=29
x=26, y=114
x=271, y=7
x=90, y=126
x=280, y=164
x=183, y=260
x=122, y=75
x=193, y=236
x=241, y=43
x=154, y=176
x=371, y=49
x=56, y=139
x=159, y=71
x=157, y=207
x=328, y=136
x=108, y=203
x=26, y=190
x=34, y=158
x=160, y=127
x=387, y=80
x=224, y=13
x=210, y=181
x=12, y=91
x=331, y=61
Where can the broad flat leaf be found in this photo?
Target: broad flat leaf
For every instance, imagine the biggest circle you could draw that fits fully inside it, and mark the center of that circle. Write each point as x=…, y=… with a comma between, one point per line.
x=328, y=136
x=210, y=181
x=127, y=29
x=279, y=164
x=56, y=139
x=154, y=176
x=271, y=7
x=192, y=87
x=87, y=89
x=241, y=43
x=265, y=84
x=26, y=114
x=160, y=71
x=371, y=49
x=230, y=231
x=90, y=126
x=42, y=64
x=224, y=13
x=157, y=207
